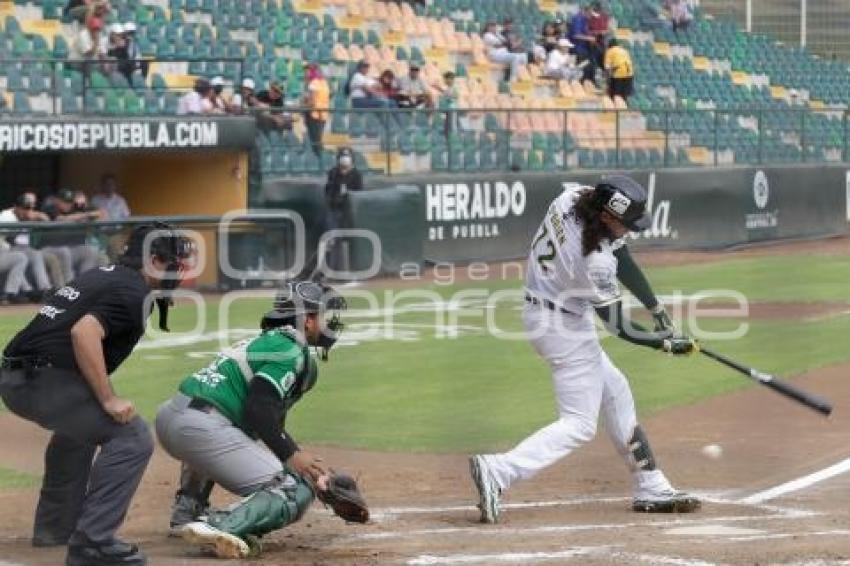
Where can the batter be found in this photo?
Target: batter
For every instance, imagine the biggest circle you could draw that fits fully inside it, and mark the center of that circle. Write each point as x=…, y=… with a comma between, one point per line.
x=577, y=260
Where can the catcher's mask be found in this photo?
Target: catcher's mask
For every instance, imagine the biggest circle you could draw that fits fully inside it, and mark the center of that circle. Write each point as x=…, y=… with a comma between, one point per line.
x=624, y=199
x=163, y=242
x=299, y=298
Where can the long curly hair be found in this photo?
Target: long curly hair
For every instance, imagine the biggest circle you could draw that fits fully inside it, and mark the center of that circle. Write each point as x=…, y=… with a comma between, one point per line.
x=594, y=230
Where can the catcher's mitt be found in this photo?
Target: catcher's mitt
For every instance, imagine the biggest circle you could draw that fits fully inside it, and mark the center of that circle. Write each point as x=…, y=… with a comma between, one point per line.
x=343, y=497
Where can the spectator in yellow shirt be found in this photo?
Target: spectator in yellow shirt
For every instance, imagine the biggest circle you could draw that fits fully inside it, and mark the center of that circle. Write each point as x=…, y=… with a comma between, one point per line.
x=318, y=100
x=621, y=76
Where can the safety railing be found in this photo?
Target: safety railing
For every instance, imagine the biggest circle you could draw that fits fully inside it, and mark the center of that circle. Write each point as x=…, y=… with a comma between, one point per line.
x=111, y=87
x=405, y=141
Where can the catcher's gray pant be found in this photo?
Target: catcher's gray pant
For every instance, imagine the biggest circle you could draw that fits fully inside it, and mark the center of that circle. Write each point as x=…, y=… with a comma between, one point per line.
x=209, y=444
x=13, y=266
x=80, y=494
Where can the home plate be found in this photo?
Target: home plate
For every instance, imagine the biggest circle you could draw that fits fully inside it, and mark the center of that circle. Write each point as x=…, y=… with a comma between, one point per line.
x=712, y=530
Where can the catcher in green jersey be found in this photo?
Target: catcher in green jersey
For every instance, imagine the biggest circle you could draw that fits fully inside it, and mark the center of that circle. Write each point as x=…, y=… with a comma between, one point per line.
x=213, y=423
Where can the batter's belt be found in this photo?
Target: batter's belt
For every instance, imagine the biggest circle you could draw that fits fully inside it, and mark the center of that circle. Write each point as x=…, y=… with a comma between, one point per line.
x=536, y=301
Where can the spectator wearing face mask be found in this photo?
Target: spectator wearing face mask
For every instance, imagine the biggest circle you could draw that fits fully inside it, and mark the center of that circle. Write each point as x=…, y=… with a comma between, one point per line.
x=245, y=98
x=135, y=61
x=343, y=178
x=219, y=106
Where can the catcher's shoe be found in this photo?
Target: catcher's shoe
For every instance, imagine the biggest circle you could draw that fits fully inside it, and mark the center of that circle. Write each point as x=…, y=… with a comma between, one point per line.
x=488, y=490
x=668, y=501
x=186, y=509
x=223, y=544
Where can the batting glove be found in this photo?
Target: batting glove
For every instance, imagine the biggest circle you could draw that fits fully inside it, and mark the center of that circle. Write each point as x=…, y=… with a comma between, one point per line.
x=681, y=346
x=662, y=320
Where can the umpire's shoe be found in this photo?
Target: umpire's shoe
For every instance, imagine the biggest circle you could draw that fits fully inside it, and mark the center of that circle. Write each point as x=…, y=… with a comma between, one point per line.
x=112, y=553
x=224, y=544
x=668, y=501
x=488, y=490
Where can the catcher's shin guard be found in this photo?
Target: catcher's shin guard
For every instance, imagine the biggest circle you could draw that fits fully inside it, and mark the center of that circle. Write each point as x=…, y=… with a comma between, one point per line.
x=269, y=509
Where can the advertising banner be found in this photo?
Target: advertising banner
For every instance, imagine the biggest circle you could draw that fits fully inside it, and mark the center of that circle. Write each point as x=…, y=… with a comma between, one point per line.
x=125, y=134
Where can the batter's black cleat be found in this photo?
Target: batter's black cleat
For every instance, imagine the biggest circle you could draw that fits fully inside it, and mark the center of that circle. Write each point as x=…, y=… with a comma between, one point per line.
x=670, y=501
x=49, y=540
x=111, y=553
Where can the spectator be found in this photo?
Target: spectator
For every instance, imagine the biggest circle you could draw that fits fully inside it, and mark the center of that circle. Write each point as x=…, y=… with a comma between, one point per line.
x=71, y=247
x=134, y=61
x=245, y=98
x=343, y=178
x=90, y=44
x=116, y=48
x=499, y=51
x=560, y=63
x=413, y=92
x=109, y=200
x=618, y=64
x=598, y=24
x=37, y=282
x=116, y=45
x=549, y=37
x=197, y=101
x=580, y=36
x=365, y=92
x=273, y=100
x=219, y=106
x=317, y=99
x=448, y=101
x=680, y=15
x=388, y=85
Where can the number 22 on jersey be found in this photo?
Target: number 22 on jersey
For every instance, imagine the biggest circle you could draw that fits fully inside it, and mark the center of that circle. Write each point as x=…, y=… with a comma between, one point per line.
x=543, y=248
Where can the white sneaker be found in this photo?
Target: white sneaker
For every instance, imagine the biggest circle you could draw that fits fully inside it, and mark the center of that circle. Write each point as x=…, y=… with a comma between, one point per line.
x=488, y=490
x=666, y=501
x=225, y=545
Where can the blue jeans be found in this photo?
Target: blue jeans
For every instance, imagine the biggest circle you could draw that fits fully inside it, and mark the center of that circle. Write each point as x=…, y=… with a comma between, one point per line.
x=372, y=102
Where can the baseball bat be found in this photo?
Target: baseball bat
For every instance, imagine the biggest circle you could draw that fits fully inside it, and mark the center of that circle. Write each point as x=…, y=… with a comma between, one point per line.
x=811, y=401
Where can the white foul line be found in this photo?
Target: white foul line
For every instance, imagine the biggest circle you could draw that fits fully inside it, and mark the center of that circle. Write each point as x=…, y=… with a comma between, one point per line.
x=560, y=529
x=798, y=484
x=568, y=553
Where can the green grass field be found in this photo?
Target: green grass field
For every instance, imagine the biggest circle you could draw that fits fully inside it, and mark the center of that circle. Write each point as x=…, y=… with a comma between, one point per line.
x=420, y=392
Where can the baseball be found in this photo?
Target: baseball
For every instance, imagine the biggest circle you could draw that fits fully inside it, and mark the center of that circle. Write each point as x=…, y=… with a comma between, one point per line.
x=712, y=451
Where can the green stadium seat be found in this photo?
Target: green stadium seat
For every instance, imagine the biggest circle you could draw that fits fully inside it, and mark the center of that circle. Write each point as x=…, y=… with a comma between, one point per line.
x=21, y=103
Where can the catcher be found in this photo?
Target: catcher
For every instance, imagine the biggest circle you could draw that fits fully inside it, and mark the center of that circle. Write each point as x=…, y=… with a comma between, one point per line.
x=212, y=424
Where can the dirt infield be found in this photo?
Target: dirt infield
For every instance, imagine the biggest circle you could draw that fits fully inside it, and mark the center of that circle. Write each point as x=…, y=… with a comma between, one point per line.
x=576, y=512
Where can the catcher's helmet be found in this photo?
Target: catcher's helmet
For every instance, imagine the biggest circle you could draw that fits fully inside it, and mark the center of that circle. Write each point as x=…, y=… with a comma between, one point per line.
x=298, y=298
x=624, y=199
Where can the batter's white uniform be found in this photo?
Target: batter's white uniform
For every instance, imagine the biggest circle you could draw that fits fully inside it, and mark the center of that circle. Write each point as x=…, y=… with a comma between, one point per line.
x=585, y=380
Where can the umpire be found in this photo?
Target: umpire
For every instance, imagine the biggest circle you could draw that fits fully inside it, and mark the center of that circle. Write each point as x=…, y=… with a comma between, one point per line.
x=55, y=373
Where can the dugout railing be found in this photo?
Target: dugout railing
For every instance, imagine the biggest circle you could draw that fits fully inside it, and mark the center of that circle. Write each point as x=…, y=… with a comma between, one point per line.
x=238, y=250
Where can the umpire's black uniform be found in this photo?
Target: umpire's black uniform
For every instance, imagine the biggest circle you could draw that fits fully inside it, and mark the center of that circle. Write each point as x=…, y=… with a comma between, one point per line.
x=83, y=499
